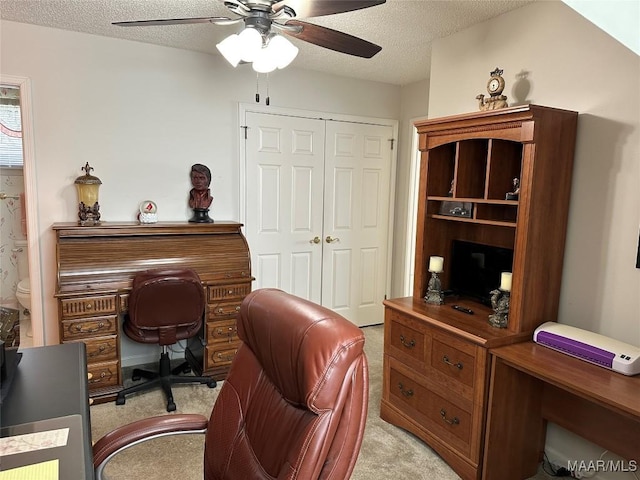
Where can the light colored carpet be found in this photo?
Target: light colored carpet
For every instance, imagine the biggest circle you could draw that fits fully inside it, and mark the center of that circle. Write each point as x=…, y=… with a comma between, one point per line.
x=387, y=451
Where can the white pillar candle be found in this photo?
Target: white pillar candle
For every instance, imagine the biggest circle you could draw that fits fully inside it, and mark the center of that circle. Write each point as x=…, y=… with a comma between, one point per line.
x=436, y=264
x=505, y=281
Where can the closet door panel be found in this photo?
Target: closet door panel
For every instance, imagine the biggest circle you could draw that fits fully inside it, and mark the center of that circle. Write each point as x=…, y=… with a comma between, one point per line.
x=284, y=192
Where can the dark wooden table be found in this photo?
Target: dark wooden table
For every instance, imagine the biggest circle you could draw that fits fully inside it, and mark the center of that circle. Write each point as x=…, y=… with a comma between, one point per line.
x=49, y=391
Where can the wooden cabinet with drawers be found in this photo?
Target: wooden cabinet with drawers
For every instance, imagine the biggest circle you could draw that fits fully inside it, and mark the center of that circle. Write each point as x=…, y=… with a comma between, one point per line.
x=93, y=320
x=214, y=352
x=97, y=264
x=435, y=377
x=435, y=368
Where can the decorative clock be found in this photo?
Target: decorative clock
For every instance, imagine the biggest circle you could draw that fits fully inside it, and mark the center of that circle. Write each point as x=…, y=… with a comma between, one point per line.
x=495, y=87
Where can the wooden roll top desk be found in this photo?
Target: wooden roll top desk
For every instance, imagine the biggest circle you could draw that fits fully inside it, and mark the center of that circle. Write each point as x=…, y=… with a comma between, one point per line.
x=95, y=269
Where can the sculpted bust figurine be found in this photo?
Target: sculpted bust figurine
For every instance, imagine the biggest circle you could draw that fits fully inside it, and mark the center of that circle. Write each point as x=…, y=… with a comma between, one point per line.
x=200, y=198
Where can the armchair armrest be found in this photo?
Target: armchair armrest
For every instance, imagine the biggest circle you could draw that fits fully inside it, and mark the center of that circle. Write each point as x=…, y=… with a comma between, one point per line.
x=142, y=430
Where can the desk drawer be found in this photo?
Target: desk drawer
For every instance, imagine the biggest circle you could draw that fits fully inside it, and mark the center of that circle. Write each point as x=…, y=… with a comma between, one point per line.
x=225, y=331
x=223, y=309
x=85, y=306
x=225, y=292
x=218, y=355
x=105, y=374
x=89, y=327
x=102, y=349
x=445, y=419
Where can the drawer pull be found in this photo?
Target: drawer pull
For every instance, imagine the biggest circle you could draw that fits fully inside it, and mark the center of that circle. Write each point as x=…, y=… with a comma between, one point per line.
x=99, y=379
x=79, y=328
x=226, y=358
x=410, y=344
x=453, y=421
x=222, y=331
x=406, y=393
x=458, y=365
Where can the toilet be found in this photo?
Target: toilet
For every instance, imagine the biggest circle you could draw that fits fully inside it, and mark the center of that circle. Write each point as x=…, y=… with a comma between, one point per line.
x=23, y=290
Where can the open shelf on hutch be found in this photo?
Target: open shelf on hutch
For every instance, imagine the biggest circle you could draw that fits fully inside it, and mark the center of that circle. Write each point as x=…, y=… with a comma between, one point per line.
x=468, y=181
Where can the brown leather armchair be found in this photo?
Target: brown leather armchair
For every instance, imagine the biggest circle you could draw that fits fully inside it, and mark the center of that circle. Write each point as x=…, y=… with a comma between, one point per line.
x=165, y=305
x=293, y=405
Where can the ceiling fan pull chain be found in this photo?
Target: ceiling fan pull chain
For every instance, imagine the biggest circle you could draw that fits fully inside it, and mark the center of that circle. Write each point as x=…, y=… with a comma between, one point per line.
x=257, y=88
x=267, y=100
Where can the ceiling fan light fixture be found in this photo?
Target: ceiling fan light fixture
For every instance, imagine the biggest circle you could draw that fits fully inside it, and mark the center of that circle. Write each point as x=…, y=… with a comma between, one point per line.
x=249, y=44
x=282, y=50
x=230, y=49
x=277, y=53
x=264, y=62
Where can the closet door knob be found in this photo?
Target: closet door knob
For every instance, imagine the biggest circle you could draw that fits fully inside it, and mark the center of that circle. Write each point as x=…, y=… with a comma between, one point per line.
x=315, y=240
x=331, y=239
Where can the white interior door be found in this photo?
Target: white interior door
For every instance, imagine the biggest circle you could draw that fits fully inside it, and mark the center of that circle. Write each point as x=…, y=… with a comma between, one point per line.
x=317, y=210
x=356, y=220
x=284, y=191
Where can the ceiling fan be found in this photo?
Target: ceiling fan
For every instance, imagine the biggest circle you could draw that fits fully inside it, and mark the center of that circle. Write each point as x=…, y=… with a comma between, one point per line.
x=270, y=16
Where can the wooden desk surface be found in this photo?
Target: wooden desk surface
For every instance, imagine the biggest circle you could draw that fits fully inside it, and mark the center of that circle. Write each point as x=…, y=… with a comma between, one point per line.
x=531, y=385
x=608, y=388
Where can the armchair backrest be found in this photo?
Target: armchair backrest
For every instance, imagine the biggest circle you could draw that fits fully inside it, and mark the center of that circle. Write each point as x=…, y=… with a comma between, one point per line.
x=294, y=403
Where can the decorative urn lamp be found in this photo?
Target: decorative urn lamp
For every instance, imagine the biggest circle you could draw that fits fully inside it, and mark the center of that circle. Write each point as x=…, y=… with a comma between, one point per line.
x=88, y=206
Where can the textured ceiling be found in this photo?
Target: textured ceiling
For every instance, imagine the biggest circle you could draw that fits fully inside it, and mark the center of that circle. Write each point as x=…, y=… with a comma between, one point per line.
x=404, y=29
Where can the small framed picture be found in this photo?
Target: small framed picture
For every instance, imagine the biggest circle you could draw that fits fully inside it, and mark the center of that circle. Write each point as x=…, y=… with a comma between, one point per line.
x=457, y=209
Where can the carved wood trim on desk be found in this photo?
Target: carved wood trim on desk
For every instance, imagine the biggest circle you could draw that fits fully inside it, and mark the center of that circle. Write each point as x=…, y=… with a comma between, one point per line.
x=95, y=268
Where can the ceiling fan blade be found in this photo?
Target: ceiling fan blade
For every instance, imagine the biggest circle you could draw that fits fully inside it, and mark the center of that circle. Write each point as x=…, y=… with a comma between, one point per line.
x=172, y=21
x=318, y=8
x=332, y=39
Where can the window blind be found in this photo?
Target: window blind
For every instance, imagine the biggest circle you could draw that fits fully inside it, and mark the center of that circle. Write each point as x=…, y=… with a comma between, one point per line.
x=10, y=136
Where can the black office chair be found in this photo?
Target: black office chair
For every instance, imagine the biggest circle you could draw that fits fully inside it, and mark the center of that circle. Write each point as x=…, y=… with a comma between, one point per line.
x=164, y=306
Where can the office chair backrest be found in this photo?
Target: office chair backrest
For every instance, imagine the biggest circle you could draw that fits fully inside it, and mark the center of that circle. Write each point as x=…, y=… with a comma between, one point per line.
x=294, y=403
x=165, y=305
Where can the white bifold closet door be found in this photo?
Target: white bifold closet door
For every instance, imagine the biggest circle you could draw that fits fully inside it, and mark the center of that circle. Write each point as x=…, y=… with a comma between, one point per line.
x=317, y=210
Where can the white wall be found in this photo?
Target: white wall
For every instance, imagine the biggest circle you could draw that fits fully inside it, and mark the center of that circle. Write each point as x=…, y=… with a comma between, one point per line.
x=414, y=103
x=141, y=115
x=621, y=20
x=553, y=56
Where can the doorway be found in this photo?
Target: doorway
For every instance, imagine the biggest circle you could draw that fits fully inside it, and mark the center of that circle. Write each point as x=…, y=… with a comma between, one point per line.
x=318, y=205
x=31, y=200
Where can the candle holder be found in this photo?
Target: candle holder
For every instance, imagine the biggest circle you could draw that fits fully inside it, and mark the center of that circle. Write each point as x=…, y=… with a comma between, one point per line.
x=434, y=295
x=500, y=303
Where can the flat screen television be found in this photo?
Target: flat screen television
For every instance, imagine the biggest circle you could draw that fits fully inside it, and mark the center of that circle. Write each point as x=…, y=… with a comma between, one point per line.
x=476, y=269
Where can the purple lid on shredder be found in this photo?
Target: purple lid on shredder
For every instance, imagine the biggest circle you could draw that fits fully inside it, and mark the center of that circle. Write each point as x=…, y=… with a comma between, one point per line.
x=579, y=349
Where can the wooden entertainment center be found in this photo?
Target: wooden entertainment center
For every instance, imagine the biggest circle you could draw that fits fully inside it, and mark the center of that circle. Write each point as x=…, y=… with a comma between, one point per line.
x=437, y=359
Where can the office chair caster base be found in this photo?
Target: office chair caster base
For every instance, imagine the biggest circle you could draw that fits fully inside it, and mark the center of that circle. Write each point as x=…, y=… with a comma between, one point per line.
x=212, y=384
x=171, y=407
x=120, y=400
